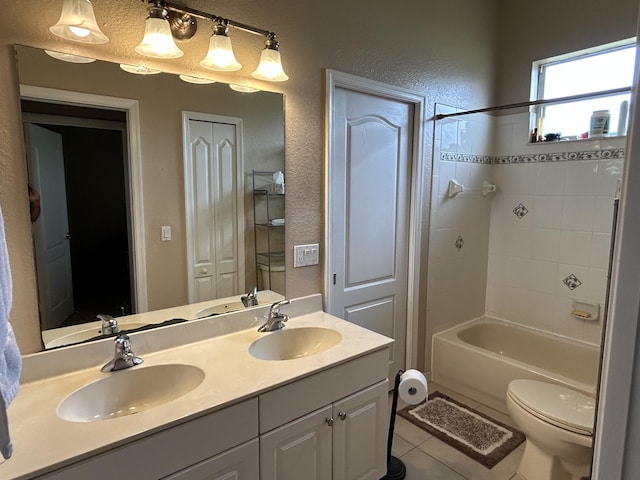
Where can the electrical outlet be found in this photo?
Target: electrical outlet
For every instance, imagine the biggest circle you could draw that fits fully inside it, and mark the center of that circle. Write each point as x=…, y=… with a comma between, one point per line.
x=305, y=255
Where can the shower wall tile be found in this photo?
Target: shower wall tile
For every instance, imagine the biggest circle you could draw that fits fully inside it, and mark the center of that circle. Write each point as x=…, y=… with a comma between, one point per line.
x=546, y=244
x=551, y=178
x=575, y=247
x=603, y=215
x=581, y=177
x=577, y=213
x=568, y=190
x=600, y=250
x=548, y=211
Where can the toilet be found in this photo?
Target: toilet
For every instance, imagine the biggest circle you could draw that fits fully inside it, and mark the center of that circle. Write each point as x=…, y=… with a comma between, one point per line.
x=558, y=425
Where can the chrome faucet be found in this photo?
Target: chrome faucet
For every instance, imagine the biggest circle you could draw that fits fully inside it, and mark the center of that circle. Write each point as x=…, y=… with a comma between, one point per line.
x=109, y=324
x=275, y=319
x=124, y=356
x=251, y=298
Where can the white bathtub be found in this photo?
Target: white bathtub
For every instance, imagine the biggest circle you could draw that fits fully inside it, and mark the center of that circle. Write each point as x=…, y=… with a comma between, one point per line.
x=481, y=357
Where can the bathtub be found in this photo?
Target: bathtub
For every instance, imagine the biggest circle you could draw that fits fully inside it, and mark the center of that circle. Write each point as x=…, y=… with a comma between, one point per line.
x=479, y=359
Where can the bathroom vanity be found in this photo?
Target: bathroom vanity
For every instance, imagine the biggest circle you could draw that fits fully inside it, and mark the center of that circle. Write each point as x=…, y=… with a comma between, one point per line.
x=296, y=403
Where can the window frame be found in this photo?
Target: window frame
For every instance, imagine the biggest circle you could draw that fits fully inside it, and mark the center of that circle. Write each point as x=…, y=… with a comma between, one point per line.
x=539, y=67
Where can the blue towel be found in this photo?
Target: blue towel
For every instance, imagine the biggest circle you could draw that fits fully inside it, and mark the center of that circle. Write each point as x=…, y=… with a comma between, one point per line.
x=10, y=361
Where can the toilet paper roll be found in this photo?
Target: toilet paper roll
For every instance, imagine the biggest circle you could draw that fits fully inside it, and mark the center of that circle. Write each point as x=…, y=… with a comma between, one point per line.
x=413, y=387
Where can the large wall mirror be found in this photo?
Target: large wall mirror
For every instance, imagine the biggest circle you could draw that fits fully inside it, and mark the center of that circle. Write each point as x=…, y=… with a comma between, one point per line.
x=137, y=223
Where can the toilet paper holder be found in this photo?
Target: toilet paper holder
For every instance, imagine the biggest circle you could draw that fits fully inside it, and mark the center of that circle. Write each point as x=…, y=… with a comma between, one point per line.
x=396, y=469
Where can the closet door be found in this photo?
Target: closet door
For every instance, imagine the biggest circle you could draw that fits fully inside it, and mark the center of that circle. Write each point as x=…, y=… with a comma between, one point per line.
x=214, y=216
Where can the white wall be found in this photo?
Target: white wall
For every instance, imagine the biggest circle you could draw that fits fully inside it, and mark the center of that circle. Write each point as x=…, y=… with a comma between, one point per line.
x=567, y=189
x=458, y=268
x=514, y=266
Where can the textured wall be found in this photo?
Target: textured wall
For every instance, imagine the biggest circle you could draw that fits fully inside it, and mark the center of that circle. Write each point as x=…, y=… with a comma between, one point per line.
x=442, y=49
x=535, y=31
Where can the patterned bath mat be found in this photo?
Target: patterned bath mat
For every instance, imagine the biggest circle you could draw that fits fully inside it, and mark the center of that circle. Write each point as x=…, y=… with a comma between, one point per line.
x=478, y=436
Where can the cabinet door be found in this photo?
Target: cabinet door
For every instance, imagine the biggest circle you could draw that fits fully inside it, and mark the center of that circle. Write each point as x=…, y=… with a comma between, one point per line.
x=298, y=450
x=360, y=435
x=240, y=463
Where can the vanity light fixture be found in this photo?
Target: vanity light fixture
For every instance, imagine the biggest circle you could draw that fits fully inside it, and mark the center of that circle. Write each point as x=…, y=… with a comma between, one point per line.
x=157, y=41
x=243, y=88
x=78, y=23
x=270, y=67
x=196, y=80
x=220, y=55
x=139, y=69
x=69, y=57
x=180, y=21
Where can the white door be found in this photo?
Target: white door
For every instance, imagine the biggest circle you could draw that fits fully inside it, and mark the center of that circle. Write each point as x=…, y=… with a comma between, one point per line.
x=360, y=434
x=215, y=213
x=369, y=208
x=51, y=230
x=298, y=450
x=239, y=463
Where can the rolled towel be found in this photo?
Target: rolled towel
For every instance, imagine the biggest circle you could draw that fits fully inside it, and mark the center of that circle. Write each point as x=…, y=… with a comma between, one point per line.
x=10, y=361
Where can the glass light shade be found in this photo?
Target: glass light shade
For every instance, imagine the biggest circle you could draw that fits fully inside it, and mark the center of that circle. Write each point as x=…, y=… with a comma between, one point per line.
x=78, y=23
x=196, y=80
x=220, y=56
x=270, y=67
x=138, y=69
x=69, y=57
x=243, y=88
x=157, y=41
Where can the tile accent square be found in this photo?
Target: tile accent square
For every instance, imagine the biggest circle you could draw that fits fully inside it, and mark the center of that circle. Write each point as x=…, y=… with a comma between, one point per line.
x=520, y=211
x=572, y=282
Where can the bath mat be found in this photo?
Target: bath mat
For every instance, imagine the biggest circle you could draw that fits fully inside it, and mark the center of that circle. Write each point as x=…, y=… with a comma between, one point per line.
x=478, y=436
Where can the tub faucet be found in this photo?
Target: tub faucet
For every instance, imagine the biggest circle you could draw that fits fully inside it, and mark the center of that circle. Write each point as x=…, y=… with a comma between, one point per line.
x=124, y=356
x=109, y=324
x=251, y=298
x=275, y=319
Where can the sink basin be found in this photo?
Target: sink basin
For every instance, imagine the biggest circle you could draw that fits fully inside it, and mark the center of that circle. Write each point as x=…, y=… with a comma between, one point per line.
x=129, y=391
x=82, y=335
x=294, y=343
x=219, y=309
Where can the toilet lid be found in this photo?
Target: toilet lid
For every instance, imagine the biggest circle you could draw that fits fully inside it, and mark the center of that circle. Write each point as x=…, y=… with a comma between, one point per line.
x=557, y=405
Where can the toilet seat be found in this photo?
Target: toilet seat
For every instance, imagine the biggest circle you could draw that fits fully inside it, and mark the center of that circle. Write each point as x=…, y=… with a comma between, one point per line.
x=559, y=406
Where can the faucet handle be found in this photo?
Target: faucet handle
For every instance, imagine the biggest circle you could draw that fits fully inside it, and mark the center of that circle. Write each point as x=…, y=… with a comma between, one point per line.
x=274, y=310
x=109, y=324
x=124, y=356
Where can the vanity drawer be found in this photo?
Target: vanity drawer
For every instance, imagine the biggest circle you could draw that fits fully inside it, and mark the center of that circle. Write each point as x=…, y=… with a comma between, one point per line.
x=170, y=450
x=296, y=399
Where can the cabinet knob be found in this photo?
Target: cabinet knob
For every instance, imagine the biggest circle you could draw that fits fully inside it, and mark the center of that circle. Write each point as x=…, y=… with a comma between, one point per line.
x=203, y=271
x=343, y=416
x=329, y=421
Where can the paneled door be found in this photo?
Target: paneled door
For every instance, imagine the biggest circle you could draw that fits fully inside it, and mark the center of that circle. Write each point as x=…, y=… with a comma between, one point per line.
x=51, y=231
x=369, y=213
x=214, y=206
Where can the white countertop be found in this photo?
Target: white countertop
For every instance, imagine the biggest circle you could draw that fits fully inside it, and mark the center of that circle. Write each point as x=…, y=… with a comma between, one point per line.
x=43, y=442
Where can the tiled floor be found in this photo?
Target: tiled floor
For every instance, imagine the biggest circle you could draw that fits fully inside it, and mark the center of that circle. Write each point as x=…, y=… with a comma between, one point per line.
x=426, y=457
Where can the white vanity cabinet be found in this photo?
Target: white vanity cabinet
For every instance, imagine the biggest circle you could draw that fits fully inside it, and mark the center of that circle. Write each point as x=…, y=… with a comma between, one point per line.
x=328, y=426
x=240, y=463
x=342, y=441
x=199, y=449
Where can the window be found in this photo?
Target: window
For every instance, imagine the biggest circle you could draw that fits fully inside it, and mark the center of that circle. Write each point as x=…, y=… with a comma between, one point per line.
x=605, y=68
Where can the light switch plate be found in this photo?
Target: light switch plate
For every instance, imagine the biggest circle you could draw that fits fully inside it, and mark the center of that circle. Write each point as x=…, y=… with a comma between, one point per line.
x=165, y=234
x=305, y=255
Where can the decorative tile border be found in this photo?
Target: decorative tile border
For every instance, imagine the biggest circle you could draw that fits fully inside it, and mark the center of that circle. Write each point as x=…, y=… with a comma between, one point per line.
x=466, y=158
x=534, y=158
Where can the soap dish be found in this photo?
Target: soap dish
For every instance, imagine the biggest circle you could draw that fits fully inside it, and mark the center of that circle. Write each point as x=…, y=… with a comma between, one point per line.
x=585, y=311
